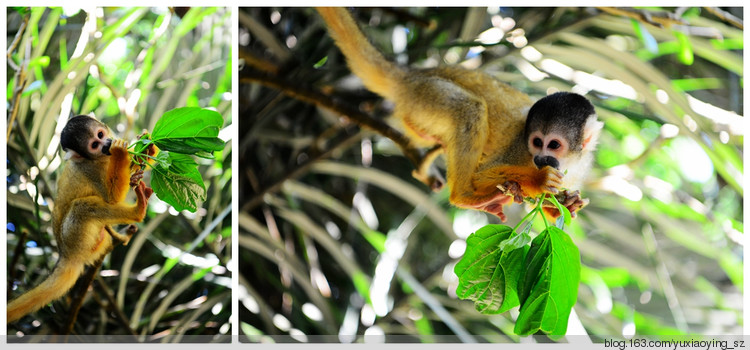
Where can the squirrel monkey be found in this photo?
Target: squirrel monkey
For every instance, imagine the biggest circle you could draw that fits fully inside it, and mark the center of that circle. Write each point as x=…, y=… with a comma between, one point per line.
x=90, y=195
x=495, y=154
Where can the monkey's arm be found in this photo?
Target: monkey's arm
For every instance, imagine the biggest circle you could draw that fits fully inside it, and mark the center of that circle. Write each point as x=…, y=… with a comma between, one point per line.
x=532, y=181
x=118, y=172
x=518, y=182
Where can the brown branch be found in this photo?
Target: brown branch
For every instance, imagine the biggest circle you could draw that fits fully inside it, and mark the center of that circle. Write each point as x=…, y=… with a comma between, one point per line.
x=78, y=293
x=121, y=318
x=258, y=62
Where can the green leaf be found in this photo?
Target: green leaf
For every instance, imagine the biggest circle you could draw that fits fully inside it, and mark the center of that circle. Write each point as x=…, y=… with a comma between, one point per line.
x=182, y=164
x=515, y=241
x=163, y=159
x=180, y=184
x=488, y=275
x=549, y=288
x=189, y=130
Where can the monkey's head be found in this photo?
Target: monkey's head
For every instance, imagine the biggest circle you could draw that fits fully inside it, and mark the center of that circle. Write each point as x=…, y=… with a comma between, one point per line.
x=560, y=129
x=86, y=137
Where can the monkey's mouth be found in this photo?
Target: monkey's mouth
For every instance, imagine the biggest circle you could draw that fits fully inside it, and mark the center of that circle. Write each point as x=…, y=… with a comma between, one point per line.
x=541, y=162
x=105, y=148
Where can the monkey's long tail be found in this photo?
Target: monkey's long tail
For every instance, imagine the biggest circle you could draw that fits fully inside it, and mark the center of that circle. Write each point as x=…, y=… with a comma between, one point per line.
x=378, y=74
x=58, y=283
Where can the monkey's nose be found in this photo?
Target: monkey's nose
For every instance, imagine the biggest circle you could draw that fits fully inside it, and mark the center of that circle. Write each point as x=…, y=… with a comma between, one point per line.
x=105, y=147
x=541, y=162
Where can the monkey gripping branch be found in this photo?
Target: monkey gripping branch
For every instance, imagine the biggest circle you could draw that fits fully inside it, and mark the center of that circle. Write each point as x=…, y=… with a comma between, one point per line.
x=500, y=271
x=179, y=133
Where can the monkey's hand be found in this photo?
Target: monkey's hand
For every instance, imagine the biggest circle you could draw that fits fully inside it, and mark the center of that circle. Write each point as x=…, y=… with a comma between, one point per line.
x=119, y=148
x=569, y=199
x=548, y=180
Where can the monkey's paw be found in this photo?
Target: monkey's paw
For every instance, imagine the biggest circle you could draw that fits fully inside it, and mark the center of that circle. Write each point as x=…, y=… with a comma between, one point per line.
x=136, y=177
x=569, y=199
x=143, y=192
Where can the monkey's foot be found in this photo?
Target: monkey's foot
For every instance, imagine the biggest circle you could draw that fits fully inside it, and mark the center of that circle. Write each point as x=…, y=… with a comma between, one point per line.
x=143, y=191
x=569, y=199
x=136, y=177
x=494, y=205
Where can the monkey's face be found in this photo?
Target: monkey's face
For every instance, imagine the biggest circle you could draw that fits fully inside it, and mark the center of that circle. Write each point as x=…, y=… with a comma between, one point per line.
x=99, y=141
x=548, y=149
x=86, y=137
x=558, y=129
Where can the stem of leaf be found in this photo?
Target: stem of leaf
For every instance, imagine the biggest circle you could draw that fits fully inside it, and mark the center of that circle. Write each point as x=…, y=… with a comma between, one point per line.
x=539, y=209
x=525, y=218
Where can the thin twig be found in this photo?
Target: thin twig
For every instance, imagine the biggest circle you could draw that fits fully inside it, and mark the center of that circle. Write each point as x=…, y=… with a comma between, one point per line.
x=16, y=40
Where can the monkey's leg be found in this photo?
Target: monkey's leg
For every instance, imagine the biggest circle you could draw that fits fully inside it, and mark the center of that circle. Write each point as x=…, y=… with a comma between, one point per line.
x=440, y=110
x=531, y=180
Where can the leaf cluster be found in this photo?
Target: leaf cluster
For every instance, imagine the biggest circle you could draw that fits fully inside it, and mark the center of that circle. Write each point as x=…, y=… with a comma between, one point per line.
x=179, y=133
x=500, y=270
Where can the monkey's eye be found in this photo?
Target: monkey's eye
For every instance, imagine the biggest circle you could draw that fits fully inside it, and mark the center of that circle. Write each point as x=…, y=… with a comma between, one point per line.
x=100, y=134
x=554, y=144
x=95, y=145
x=537, y=142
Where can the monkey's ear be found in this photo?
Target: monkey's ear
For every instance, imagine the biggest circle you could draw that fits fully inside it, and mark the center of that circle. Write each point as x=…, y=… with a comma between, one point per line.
x=591, y=131
x=72, y=155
